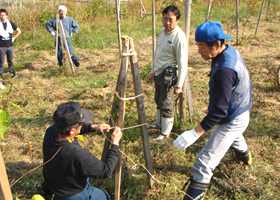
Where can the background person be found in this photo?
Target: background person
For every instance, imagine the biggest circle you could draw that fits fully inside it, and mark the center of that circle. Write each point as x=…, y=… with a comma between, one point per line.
x=70, y=26
x=229, y=103
x=7, y=29
x=67, y=174
x=171, y=49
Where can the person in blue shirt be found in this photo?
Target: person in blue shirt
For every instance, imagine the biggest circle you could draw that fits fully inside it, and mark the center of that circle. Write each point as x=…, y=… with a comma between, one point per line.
x=229, y=103
x=70, y=26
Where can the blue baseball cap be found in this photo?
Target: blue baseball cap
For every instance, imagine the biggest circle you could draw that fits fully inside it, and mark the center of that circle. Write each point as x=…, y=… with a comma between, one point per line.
x=209, y=32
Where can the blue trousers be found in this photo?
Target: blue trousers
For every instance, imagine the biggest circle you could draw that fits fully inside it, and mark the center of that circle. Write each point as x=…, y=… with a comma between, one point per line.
x=89, y=193
x=60, y=55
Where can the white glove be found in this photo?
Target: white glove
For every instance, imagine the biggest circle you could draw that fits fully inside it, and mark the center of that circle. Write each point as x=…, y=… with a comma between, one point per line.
x=53, y=33
x=13, y=39
x=185, y=139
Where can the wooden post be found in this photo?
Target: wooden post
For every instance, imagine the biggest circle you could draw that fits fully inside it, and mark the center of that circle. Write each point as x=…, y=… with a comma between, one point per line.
x=154, y=27
x=118, y=24
x=208, y=10
x=267, y=11
x=5, y=191
x=259, y=19
x=186, y=85
x=62, y=35
x=237, y=20
x=56, y=39
x=141, y=111
x=121, y=112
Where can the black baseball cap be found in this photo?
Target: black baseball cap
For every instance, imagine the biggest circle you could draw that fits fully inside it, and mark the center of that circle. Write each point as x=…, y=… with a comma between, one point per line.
x=70, y=113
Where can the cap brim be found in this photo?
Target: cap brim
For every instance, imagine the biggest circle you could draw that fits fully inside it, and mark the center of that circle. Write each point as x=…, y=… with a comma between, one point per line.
x=227, y=37
x=87, y=116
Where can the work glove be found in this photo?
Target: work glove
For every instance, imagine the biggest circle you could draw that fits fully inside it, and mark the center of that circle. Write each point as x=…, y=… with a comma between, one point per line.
x=53, y=33
x=185, y=139
x=13, y=39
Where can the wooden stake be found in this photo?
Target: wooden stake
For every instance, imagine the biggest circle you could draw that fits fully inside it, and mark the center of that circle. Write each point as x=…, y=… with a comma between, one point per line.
x=141, y=110
x=186, y=85
x=208, y=10
x=56, y=39
x=121, y=112
x=259, y=19
x=154, y=27
x=62, y=35
x=118, y=24
x=5, y=191
x=237, y=20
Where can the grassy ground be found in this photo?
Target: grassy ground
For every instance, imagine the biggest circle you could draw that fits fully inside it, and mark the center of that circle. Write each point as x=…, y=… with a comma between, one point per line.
x=41, y=87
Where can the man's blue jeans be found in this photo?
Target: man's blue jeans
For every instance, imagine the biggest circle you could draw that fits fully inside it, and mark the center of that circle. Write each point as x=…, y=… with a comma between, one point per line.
x=60, y=55
x=89, y=193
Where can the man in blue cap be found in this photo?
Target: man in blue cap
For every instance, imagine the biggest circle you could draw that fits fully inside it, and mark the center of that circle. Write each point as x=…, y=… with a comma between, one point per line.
x=229, y=103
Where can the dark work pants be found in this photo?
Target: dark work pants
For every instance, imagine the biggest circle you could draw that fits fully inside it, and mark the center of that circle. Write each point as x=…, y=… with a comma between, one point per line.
x=10, y=56
x=164, y=96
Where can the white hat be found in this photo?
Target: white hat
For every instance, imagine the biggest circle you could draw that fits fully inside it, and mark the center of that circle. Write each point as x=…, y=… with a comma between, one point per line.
x=63, y=7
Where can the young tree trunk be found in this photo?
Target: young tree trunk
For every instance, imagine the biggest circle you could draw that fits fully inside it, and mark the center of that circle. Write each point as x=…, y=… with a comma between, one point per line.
x=259, y=19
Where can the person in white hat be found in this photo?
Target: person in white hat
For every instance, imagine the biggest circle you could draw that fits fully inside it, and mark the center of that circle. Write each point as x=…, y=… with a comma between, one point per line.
x=230, y=99
x=70, y=26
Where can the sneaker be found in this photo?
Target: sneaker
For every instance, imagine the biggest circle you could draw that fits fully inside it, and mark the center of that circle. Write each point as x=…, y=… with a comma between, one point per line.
x=76, y=63
x=2, y=87
x=60, y=64
x=162, y=137
x=154, y=126
x=14, y=76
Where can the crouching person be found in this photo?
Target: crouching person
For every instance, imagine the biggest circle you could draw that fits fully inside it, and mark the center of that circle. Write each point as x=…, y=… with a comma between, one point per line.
x=67, y=174
x=229, y=103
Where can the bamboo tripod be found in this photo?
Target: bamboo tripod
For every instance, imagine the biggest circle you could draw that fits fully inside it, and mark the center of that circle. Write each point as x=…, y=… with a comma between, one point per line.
x=128, y=51
x=63, y=42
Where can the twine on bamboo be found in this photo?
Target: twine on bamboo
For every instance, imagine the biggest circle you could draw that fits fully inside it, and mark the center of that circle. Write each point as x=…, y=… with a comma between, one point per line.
x=129, y=53
x=135, y=164
x=130, y=98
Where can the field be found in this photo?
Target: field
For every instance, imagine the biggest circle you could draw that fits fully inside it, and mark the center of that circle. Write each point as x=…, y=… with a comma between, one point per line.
x=41, y=87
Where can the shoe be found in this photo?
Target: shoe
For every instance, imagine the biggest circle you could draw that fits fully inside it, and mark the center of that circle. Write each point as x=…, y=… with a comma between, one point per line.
x=2, y=87
x=162, y=137
x=195, y=190
x=246, y=158
x=14, y=76
x=154, y=126
x=60, y=64
x=76, y=63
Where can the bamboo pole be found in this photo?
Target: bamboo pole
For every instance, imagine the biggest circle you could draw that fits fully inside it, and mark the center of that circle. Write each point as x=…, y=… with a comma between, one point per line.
x=118, y=24
x=259, y=18
x=186, y=85
x=208, y=10
x=237, y=21
x=141, y=111
x=56, y=40
x=62, y=35
x=121, y=112
x=267, y=11
x=5, y=190
x=154, y=27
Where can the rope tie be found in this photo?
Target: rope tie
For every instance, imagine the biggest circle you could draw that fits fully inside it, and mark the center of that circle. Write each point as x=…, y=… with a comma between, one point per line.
x=129, y=53
x=130, y=98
